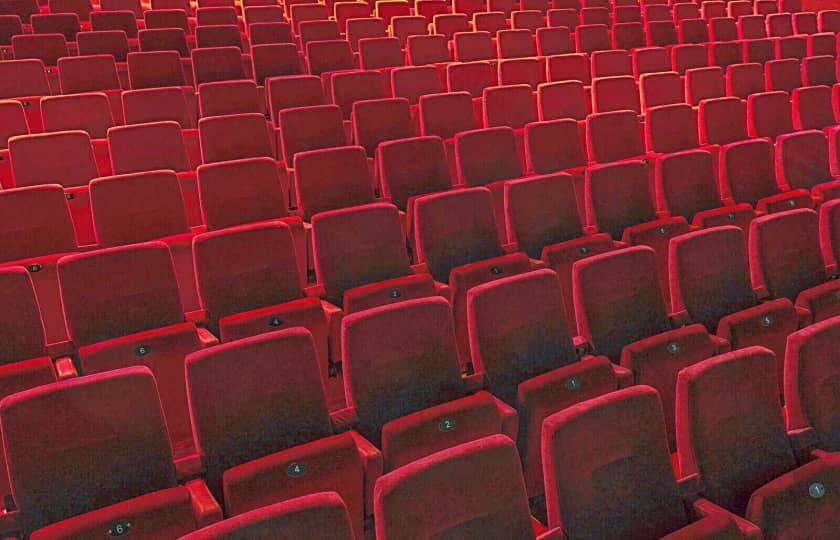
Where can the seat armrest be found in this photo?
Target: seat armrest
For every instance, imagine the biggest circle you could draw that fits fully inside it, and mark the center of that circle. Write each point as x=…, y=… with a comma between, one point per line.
x=831, y=270
x=197, y=316
x=590, y=230
x=474, y=382
x=315, y=291
x=762, y=293
x=510, y=419
x=804, y=315
x=60, y=348
x=207, y=510
x=65, y=368
x=705, y=507
x=582, y=346
x=344, y=419
x=663, y=214
x=623, y=376
x=680, y=318
x=553, y=534
x=803, y=441
x=689, y=487
x=206, y=338
x=820, y=454
x=722, y=344
x=189, y=467
x=510, y=248
x=373, y=465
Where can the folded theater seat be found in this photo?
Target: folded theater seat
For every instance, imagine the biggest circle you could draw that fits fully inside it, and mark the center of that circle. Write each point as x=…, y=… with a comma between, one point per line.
x=786, y=262
x=473, y=490
x=523, y=353
x=731, y=437
x=456, y=238
x=406, y=395
x=621, y=314
x=85, y=436
x=608, y=474
x=263, y=431
x=122, y=307
x=809, y=371
x=710, y=285
x=301, y=517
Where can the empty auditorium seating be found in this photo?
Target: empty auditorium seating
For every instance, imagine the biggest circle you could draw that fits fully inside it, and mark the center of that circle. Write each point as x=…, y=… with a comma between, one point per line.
x=310, y=128
x=769, y=115
x=751, y=467
x=332, y=178
x=351, y=86
x=402, y=393
x=747, y=175
x=786, y=262
x=217, y=64
x=234, y=136
x=614, y=136
x=403, y=177
x=802, y=163
x=812, y=108
x=722, y=120
x=261, y=446
x=228, y=97
x=577, y=451
x=95, y=429
x=136, y=286
x=525, y=355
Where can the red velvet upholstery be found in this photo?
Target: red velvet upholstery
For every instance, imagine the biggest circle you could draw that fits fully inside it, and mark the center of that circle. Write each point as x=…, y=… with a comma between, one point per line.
x=785, y=259
x=408, y=393
x=148, y=147
x=97, y=428
x=310, y=128
x=289, y=520
x=378, y=120
x=363, y=246
x=234, y=136
x=332, y=178
x=474, y=490
x=258, y=406
x=404, y=175
x=802, y=163
x=811, y=378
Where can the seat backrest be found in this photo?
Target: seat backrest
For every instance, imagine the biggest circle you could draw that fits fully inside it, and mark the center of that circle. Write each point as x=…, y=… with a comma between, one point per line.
x=90, y=113
x=222, y=63
x=216, y=15
x=445, y=115
x=21, y=328
x=108, y=42
x=332, y=55
x=264, y=33
x=22, y=8
x=709, y=274
x=35, y=221
x=617, y=197
x=352, y=86
x=618, y=299
x=94, y=429
x=811, y=376
x=730, y=427
x=487, y=478
x=71, y=160
x=125, y=20
x=516, y=44
x=541, y=211
x=155, y=69
x=785, y=252
x=747, y=171
x=378, y=120
x=582, y=468
x=88, y=74
x=744, y=79
x=264, y=252
x=147, y=147
x=722, y=121
x=472, y=77
x=12, y=121
x=454, y=228
x=45, y=47
x=688, y=56
x=159, y=18
x=802, y=159
x=563, y=99
x=358, y=246
x=611, y=136
x=387, y=379
x=612, y=63
x=402, y=176
x=671, y=128
x=310, y=128
x=569, y=67
x=318, y=31
x=686, y=183
x=477, y=167
x=553, y=145
x=332, y=178
x=427, y=49
x=511, y=105
x=651, y=60
x=23, y=78
x=234, y=136
x=661, y=89
x=380, y=53
x=242, y=191
x=135, y=285
x=782, y=75
x=168, y=38
x=415, y=81
x=292, y=91
x=274, y=60
x=156, y=105
x=704, y=83
x=517, y=330
x=812, y=108
x=769, y=114
x=228, y=97
x=134, y=208
x=82, y=8
x=66, y=24
x=253, y=397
